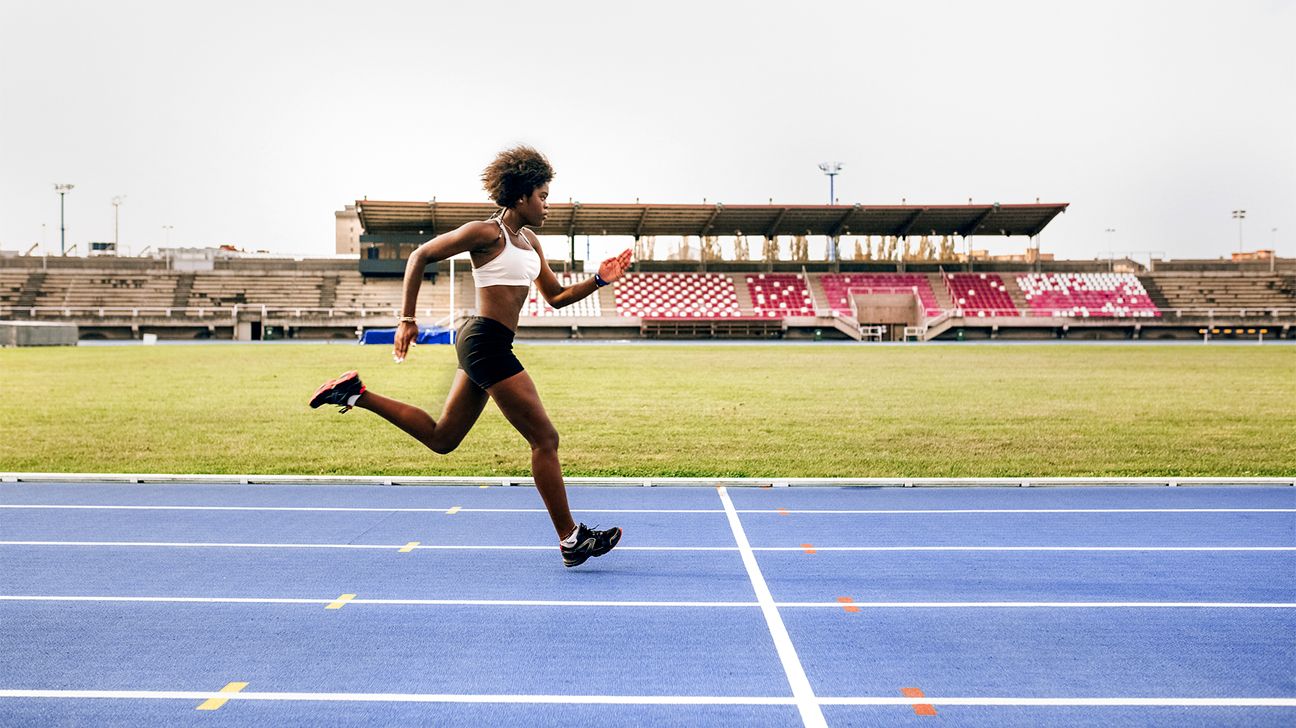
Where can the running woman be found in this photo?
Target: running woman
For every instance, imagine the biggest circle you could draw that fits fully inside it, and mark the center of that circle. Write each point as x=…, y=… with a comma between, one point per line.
x=506, y=259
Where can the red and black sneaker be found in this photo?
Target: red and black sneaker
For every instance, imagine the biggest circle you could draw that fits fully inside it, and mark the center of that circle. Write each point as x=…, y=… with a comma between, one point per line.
x=338, y=391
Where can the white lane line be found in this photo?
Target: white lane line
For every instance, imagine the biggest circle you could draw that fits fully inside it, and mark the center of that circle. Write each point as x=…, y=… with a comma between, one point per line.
x=424, y=602
x=1023, y=510
x=181, y=600
x=1041, y=605
x=1074, y=702
x=343, y=509
x=824, y=511
x=393, y=546
x=1028, y=548
x=469, y=547
x=677, y=603
x=406, y=697
x=190, y=695
x=811, y=715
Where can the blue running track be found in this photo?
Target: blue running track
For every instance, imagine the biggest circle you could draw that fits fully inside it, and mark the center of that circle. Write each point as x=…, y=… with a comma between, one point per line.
x=315, y=605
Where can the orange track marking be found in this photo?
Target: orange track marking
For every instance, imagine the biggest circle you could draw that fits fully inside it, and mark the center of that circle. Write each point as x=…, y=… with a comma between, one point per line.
x=846, y=604
x=919, y=708
x=809, y=548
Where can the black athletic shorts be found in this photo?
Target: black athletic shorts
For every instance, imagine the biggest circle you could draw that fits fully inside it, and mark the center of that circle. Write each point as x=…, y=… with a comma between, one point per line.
x=485, y=348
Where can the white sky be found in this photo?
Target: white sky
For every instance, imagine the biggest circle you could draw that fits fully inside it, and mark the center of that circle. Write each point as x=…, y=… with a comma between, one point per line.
x=252, y=122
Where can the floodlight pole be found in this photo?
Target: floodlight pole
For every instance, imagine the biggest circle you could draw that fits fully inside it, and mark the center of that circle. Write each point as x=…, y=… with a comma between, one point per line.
x=1111, y=250
x=62, y=190
x=116, y=203
x=832, y=169
x=1239, y=215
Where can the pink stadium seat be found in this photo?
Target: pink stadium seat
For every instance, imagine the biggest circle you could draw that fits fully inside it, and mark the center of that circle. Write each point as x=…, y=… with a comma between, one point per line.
x=677, y=295
x=1085, y=295
x=980, y=295
x=776, y=295
x=837, y=287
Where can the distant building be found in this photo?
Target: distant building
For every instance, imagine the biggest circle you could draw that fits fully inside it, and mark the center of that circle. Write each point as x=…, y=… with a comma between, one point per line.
x=1253, y=255
x=348, y=231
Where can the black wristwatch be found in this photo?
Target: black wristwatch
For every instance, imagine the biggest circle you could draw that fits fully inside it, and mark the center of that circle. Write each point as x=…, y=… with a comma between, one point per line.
x=599, y=282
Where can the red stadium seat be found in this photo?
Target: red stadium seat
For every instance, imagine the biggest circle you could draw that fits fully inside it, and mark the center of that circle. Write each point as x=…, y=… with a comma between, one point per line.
x=677, y=295
x=1085, y=295
x=981, y=295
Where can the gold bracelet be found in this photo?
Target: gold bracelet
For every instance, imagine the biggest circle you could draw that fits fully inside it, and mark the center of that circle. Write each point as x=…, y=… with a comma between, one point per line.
x=407, y=320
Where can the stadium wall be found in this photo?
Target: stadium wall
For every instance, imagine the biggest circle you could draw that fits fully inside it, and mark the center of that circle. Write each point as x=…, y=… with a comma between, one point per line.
x=327, y=298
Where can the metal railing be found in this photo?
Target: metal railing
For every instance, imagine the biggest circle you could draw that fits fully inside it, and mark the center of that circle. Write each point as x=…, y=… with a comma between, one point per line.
x=206, y=312
x=1161, y=315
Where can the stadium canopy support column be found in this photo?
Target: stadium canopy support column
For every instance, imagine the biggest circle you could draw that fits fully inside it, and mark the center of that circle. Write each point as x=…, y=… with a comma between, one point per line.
x=571, y=259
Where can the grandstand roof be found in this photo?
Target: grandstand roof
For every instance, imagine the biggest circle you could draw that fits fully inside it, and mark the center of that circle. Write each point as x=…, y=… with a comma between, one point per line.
x=433, y=218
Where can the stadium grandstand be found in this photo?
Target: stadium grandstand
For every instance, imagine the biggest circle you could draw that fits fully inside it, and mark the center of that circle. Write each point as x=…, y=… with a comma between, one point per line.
x=904, y=281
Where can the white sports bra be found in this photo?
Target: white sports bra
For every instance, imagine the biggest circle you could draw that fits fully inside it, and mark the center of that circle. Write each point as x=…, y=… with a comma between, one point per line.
x=514, y=266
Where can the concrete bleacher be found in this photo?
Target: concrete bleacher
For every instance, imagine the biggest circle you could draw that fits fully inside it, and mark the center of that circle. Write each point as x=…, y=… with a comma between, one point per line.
x=1086, y=295
x=837, y=288
x=12, y=281
x=229, y=288
x=356, y=291
x=981, y=295
x=106, y=289
x=1219, y=290
x=775, y=295
x=676, y=295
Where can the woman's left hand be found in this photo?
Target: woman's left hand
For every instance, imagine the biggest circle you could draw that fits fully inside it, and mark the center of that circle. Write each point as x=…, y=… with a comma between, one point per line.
x=613, y=268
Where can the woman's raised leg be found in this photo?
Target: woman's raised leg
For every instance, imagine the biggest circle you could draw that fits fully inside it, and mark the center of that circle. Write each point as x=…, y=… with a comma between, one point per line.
x=462, y=408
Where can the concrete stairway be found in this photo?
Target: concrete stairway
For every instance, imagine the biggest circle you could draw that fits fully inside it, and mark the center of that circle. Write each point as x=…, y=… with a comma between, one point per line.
x=184, y=286
x=31, y=290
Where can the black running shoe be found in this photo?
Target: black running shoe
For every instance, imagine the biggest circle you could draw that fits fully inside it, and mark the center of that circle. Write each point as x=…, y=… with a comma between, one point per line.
x=589, y=543
x=338, y=391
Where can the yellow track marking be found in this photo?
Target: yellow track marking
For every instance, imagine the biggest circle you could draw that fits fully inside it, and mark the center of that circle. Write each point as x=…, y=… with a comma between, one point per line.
x=214, y=703
x=453, y=511
x=409, y=547
x=340, y=601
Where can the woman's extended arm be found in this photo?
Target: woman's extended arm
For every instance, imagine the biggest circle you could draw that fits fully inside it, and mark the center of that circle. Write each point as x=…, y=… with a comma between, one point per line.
x=466, y=237
x=559, y=295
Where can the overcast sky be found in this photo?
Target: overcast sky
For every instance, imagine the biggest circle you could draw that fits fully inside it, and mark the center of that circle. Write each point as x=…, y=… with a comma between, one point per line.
x=251, y=122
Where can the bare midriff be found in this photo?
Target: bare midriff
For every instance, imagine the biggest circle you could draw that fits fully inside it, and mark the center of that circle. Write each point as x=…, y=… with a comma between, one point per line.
x=502, y=303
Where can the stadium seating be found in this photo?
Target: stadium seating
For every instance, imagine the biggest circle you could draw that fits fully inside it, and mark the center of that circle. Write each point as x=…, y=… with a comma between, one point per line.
x=676, y=295
x=1252, y=292
x=775, y=295
x=837, y=287
x=1086, y=295
x=980, y=295
x=108, y=289
x=369, y=293
x=12, y=281
x=218, y=289
x=536, y=305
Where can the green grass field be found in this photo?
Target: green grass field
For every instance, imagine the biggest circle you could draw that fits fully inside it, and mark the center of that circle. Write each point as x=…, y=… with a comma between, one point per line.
x=780, y=410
